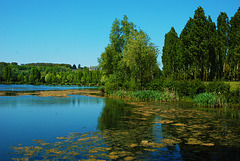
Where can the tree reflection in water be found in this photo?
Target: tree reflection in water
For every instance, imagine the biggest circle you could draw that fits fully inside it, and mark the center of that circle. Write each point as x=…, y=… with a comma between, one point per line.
x=148, y=132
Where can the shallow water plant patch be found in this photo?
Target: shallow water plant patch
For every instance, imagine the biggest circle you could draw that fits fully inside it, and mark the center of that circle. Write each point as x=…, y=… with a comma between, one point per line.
x=209, y=99
x=205, y=99
x=147, y=95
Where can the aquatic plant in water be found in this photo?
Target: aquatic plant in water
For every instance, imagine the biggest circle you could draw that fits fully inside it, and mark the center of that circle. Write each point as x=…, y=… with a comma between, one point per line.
x=209, y=99
x=147, y=95
x=141, y=133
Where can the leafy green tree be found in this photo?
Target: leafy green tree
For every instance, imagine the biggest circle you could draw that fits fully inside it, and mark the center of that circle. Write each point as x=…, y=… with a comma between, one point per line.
x=140, y=55
x=26, y=79
x=184, y=50
x=74, y=66
x=34, y=76
x=31, y=79
x=199, y=42
x=234, y=48
x=54, y=77
x=21, y=77
x=223, y=28
x=48, y=78
x=210, y=62
x=7, y=73
x=130, y=57
x=169, y=57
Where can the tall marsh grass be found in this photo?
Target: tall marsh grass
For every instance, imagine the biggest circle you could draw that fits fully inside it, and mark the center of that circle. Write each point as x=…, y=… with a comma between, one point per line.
x=147, y=95
x=209, y=99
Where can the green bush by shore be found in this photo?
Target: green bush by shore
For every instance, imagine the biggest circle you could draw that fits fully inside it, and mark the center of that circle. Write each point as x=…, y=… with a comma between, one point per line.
x=216, y=93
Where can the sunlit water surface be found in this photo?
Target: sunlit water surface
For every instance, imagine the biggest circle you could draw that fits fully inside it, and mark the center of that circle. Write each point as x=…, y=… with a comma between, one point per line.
x=24, y=87
x=81, y=127
x=25, y=118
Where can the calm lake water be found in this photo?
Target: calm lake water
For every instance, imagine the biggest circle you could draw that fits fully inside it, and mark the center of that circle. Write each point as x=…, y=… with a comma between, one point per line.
x=82, y=127
x=23, y=87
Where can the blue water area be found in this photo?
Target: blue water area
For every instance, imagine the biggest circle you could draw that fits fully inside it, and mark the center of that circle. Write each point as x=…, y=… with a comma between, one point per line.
x=138, y=132
x=23, y=87
x=25, y=118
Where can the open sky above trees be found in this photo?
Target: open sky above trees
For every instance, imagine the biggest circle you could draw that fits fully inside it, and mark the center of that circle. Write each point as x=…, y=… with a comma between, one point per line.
x=77, y=32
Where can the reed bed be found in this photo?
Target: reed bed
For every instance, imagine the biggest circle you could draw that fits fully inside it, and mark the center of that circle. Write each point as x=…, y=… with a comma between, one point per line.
x=210, y=99
x=147, y=95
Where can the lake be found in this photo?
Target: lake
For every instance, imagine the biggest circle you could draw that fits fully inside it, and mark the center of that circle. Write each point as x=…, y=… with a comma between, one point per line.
x=24, y=87
x=84, y=127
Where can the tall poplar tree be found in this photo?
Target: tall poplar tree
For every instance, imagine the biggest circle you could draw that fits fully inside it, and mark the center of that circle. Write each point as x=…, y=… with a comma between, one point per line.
x=223, y=29
x=184, y=47
x=210, y=64
x=234, y=48
x=169, y=55
x=199, y=42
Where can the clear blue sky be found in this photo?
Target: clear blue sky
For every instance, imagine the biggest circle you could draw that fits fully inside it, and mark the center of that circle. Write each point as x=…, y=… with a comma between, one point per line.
x=77, y=31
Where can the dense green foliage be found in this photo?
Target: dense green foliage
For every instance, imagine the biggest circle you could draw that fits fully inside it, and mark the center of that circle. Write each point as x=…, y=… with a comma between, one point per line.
x=204, y=51
x=214, y=93
x=130, y=60
x=46, y=73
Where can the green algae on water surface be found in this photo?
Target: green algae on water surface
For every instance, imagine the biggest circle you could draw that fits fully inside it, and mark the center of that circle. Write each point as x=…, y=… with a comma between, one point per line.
x=138, y=132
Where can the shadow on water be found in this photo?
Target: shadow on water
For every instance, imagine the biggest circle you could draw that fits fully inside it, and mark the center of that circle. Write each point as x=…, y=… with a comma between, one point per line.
x=148, y=131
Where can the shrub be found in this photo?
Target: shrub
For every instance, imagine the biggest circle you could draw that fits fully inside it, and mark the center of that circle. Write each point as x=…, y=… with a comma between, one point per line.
x=169, y=84
x=218, y=87
x=189, y=88
x=112, y=83
x=101, y=88
x=155, y=84
x=182, y=88
x=195, y=87
x=234, y=97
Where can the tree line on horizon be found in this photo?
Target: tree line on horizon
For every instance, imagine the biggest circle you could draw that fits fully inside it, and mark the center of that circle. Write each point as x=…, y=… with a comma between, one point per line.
x=204, y=50
x=48, y=73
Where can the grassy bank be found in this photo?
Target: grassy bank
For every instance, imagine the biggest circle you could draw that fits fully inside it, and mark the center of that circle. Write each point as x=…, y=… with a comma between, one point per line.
x=212, y=94
x=234, y=85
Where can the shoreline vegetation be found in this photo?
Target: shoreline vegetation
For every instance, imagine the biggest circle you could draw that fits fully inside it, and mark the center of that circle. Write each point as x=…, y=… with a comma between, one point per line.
x=197, y=64
x=210, y=94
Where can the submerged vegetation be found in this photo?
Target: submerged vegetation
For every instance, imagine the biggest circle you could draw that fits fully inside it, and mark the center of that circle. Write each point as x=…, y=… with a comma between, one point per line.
x=126, y=132
x=147, y=95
